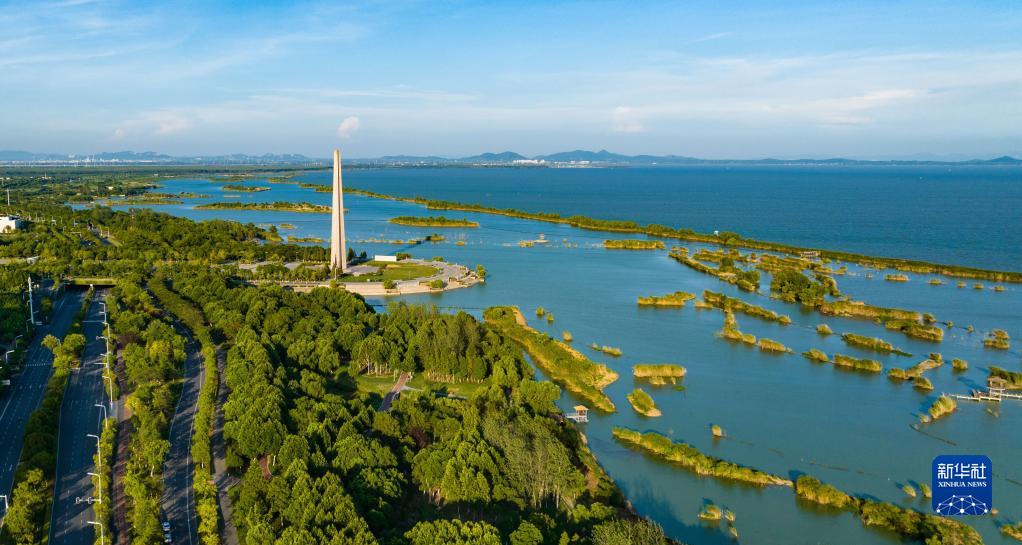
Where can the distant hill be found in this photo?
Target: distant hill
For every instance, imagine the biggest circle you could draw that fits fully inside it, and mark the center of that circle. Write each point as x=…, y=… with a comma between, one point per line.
x=566, y=158
x=504, y=157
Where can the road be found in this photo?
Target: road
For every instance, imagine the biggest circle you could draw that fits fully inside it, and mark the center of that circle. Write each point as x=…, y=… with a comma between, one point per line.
x=399, y=387
x=178, y=500
x=26, y=391
x=75, y=449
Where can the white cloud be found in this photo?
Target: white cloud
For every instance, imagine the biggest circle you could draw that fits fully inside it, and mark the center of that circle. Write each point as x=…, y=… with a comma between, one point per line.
x=626, y=120
x=348, y=127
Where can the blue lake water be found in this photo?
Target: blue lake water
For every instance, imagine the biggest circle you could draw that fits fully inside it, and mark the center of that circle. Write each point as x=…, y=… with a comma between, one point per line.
x=959, y=215
x=781, y=413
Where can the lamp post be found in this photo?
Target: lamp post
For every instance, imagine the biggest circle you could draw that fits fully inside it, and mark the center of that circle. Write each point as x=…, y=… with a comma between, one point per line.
x=100, y=488
x=105, y=415
x=102, y=538
x=7, y=357
x=96, y=437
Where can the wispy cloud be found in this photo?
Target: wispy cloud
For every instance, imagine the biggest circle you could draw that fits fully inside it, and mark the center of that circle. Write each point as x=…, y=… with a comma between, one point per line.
x=348, y=127
x=710, y=37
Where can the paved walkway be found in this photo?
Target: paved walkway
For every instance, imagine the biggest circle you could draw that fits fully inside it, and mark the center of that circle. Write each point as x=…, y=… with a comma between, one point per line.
x=399, y=386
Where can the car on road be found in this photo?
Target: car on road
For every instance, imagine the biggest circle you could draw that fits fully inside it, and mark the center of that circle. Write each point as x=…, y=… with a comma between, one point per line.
x=167, y=538
x=166, y=526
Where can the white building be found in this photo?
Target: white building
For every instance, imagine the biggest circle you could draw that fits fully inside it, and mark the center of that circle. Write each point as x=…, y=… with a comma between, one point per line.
x=385, y=258
x=9, y=224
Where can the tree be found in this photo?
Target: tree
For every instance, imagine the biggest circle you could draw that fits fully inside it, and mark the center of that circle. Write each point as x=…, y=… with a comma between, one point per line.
x=29, y=501
x=526, y=534
x=453, y=532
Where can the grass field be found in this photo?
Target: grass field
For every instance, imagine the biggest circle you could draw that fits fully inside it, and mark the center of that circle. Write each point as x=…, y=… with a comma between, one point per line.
x=394, y=271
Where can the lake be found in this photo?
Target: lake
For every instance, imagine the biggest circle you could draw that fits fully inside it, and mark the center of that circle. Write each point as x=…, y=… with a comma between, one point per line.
x=781, y=413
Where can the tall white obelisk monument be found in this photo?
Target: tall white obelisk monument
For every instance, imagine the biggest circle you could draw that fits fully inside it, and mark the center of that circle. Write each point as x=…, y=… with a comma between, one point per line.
x=338, y=249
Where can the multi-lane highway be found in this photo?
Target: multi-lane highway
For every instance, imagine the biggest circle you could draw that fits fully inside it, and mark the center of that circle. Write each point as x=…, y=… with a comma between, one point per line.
x=26, y=391
x=80, y=418
x=178, y=500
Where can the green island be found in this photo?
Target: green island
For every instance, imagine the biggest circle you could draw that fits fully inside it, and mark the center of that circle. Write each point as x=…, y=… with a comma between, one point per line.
x=245, y=188
x=711, y=512
x=942, y=406
x=433, y=221
x=922, y=383
x=959, y=365
x=926, y=332
x=770, y=345
x=1013, y=380
x=824, y=329
x=858, y=309
x=726, y=271
x=676, y=299
x=817, y=355
x=723, y=238
x=286, y=226
x=608, y=350
x=139, y=200
x=633, y=244
x=315, y=240
x=643, y=403
x=688, y=457
x=997, y=339
x=872, y=343
x=860, y=364
x=279, y=206
x=896, y=277
x=658, y=374
x=917, y=370
x=721, y=301
x=792, y=286
x=907, y=523
x=1013, y=531
x=563, y=364
x=731, y=332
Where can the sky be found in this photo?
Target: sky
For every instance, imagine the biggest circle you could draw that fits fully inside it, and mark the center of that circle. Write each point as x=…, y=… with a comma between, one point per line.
x=715, y=79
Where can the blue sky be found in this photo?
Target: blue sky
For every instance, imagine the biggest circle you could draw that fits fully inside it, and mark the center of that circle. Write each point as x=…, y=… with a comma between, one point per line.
x=707, y=79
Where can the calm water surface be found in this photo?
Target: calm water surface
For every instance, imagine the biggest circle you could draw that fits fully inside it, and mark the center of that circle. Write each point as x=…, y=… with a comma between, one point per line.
x=782, y=414
x=962, y=215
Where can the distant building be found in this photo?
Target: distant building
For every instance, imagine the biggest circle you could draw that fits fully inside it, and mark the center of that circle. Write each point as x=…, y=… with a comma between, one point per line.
x=10, y=224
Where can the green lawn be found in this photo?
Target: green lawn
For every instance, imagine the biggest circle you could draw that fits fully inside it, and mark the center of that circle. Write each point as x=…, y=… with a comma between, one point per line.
x=393, y=271
x=382, y=384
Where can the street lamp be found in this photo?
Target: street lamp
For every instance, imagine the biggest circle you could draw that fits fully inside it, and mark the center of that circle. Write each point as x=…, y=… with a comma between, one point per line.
x=105, y=414
x=102, y=538
x=110, y=382
x=7, y=357
x=100, y=489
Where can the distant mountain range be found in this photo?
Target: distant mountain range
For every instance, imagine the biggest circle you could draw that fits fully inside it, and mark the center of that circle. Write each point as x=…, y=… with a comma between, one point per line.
x=508, y=158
